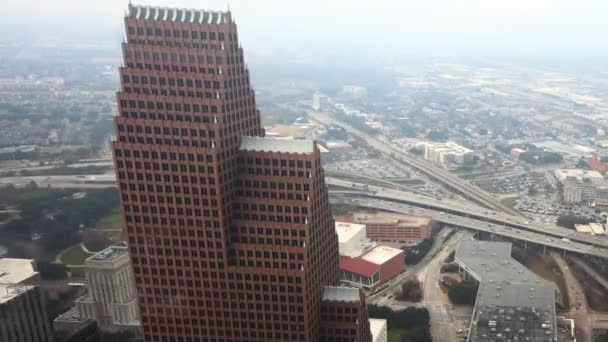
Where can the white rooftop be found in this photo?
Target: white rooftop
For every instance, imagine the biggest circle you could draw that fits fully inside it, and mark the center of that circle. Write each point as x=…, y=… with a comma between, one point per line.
x=260, y=144
x=15, y=271
x=448, y=147
x=377, y=326
x=341, y=294
x=579, y=174
x=12, y=273
x=347, y=231
x=381, y=254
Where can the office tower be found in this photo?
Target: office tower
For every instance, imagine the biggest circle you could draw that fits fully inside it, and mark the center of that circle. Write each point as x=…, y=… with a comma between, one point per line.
x=111, y=298
x=230, y=233
x=23, y=315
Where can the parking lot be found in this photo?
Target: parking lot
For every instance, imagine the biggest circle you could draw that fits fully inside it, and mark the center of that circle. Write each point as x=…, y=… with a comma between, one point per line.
x=548, y=210
x=377, y=168
x=513, y=184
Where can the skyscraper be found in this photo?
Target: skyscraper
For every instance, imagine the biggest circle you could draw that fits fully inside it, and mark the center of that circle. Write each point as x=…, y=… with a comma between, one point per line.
x=230, y=233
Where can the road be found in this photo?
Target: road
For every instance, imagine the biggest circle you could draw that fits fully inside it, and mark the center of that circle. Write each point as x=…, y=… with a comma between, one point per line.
x=578, y=303
x=466, y=210
x=436, y=173
x=444, y=324
x=394, y=285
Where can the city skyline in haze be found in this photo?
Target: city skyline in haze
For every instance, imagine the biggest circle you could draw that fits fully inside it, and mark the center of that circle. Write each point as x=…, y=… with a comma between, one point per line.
x=317, y=31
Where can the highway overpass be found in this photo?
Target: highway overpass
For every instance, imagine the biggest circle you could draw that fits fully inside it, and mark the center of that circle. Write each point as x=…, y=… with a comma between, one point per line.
x=528, y=237
x=440, y=175
x=465, y=210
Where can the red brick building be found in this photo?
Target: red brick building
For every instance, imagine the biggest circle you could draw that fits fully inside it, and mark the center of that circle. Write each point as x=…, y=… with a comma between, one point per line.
x=595, y=164
x=230, y=234
x=372, y=268
x=383, y=226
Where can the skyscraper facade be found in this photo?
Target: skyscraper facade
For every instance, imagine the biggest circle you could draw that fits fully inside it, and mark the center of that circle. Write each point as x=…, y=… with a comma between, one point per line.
x=230, y=233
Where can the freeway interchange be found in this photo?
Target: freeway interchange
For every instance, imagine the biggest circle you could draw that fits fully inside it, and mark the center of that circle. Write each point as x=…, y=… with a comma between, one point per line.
x=463, y=187
x=466, y=216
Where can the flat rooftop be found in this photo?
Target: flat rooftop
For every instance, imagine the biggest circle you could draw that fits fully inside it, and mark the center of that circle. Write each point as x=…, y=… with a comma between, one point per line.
x=448, y=147
x=341, y=294
x=390, y=218
x=346, y=231
x=109, y=254
x=259, y=144
x=579, y=174
x=381, y=254
x=512, y=303
x=15, y=271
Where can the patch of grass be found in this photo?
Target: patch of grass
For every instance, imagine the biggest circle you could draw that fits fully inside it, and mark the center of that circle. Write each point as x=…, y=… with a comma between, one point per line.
x=112, y=221
x=508, y=201
x=395, y=335
x=73, y=256
x=63, y=148
x=77, y=272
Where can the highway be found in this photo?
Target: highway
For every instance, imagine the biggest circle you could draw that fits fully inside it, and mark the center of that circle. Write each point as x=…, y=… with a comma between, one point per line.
x=532, y=238
x=464, y=209
x=463, y=187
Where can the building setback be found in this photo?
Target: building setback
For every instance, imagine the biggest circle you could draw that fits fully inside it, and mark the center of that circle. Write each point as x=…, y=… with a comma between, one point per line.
x=110, y=299
x=230, y=233
x=23, y=315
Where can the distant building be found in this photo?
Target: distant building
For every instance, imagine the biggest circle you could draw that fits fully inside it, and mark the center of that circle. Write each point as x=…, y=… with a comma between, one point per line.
x=515, y=152
x=320, y=102
x=354, y=91
x=445, y=154
x=379, y=330
x=372, y=268
x=601, y=196
x=582, y=186
x=338, y=146
x=591, y=228
x=595, y=164
x=579, y=174
x=23, y=316
x=111, y=299
x=382, y=226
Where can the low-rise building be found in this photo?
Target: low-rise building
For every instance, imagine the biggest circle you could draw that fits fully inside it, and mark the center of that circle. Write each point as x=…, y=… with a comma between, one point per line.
x=23, y=314
x=375, y=267
x=513, y=303
x=382, y=226
x=591, y=228
x=445, y=154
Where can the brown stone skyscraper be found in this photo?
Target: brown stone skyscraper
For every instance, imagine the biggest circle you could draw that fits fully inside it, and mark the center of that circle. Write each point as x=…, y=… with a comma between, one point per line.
x=230, y=233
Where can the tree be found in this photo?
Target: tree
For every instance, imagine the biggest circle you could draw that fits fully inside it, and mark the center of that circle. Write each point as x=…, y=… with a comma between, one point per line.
x=463, y=293
x=411, y=290
x=570, y=221
x=415, y=321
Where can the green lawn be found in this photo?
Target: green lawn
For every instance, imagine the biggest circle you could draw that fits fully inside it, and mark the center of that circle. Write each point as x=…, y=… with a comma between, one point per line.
x=59, y=149
x=112, y=221
x=73, y=256
x=395, y=335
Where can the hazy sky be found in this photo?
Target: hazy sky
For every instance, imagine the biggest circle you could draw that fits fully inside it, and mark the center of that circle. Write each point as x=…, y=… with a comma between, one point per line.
x=324, y=27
